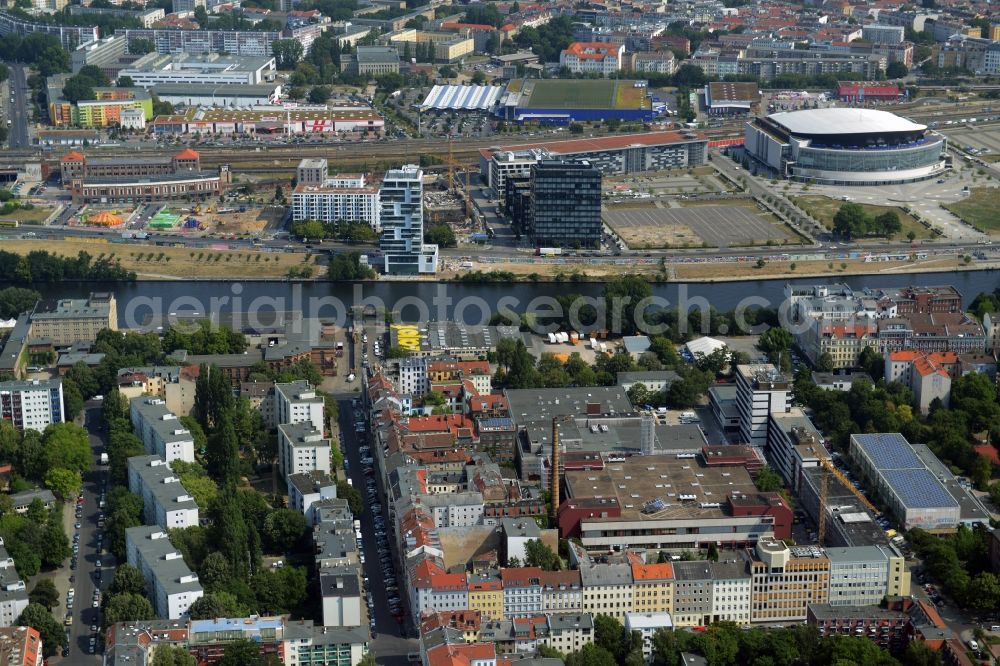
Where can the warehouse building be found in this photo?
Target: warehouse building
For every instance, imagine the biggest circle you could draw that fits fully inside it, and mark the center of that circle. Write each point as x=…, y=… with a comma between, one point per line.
x=212, y=69
x=611, y=155
x=889, y=466
x=218, y=95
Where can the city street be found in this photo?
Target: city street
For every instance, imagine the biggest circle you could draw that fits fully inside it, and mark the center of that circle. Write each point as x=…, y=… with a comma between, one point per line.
x=390, y=646
x=85, y=581
x=19, y=113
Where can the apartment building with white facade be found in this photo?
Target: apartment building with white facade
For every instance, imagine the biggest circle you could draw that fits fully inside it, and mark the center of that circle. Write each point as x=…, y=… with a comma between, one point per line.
x=13, y=591
x=165, y=501
x=607, y=589
x=172, y=586
x=340, y=590
x=345, y=197
x=297, y=402
x=159, y=430
x=592, y=57
x=302, y=449
x=32, y=404
x=308, y=488
x=522, y=591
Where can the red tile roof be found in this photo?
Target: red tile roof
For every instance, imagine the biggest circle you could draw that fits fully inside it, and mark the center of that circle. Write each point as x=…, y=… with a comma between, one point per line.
x=73, y=156
x=187, y=154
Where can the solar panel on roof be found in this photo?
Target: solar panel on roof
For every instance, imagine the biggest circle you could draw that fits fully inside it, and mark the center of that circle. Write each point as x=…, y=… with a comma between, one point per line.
x=889, y=451
x=919, y=489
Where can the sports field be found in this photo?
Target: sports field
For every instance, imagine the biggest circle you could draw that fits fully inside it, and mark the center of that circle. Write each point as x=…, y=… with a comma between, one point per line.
x=583, y=94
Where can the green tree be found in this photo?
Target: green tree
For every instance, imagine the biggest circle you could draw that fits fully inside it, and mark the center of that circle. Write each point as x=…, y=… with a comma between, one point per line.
x=224, y=456
x=353, y=497
x=217, y=604
x=825, y=362
x=896, y=70
x=538, y=554
x=16, y=300
x=127, y=580
x=173, y=655
x=40, y=619
x=591, y=655
x=67, y=445
x=918, y=653
x=287, y=52
x=623, y=298
x=851, y=221
x=65, y=483
x=774, y=342
x=214, y=571
x=283, y=529
x=125, y=82
x=77, y=89
x=440, y=234
x=319, y=94
x=44, y=594
x=126, y=608
x=141, y=46
x=241, y=652
x=609, y=634
x=768, y=480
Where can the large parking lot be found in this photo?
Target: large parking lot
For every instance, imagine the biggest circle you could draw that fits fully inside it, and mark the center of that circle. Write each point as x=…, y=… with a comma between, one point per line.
x=983, y=140
x=717, y=226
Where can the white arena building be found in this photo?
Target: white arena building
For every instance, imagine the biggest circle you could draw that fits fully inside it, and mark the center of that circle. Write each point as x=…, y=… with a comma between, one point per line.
x=842, y=146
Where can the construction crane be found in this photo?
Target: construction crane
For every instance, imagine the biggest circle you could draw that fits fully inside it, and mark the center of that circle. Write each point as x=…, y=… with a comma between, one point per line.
x=824, y=489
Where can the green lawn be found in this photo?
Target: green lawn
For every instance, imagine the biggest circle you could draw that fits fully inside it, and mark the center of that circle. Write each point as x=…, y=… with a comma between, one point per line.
x=825, y=208
x=980, y=209
x=575, y=94
x=34, y=215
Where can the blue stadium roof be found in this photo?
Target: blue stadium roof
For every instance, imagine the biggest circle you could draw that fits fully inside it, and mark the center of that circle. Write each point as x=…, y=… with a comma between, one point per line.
x=918, y=489
x=889, y=451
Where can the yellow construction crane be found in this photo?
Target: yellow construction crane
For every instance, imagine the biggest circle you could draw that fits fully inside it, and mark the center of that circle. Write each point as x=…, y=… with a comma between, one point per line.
x=823, y=490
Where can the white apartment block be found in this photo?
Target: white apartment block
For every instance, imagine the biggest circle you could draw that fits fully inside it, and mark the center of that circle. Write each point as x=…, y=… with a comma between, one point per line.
x=863, y=575
x=33, y=404
x=569, y=632
x=413, y=376
x=592, y=57
x=463, y=509
x=297, y=402
x=159, y=430
x=731, y=590
x=172, y=586
x=304, y=490
x=341, y=594
x=607, y=589
x=647, y=624
x=522, y=592
x=13, y=591
x=165, y=501
x=302, y=449
x=760, y=391
x=506, y=164
x=343, y=197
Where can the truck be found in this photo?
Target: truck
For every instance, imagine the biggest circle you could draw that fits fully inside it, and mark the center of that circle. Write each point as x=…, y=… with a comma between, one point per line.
x=104, y=458
x=548, y=251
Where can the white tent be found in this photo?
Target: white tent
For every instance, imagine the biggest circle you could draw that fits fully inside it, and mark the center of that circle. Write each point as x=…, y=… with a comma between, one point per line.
x=704, y=346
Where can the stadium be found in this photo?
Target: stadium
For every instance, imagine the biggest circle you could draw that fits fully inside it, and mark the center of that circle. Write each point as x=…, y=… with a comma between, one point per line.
x=837, y=146
x=555, y=101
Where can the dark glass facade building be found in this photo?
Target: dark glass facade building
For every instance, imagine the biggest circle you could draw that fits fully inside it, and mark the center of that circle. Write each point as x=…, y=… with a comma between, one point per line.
x=564, y=209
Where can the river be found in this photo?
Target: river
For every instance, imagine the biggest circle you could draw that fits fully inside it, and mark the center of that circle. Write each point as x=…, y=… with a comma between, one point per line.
x=471, y=303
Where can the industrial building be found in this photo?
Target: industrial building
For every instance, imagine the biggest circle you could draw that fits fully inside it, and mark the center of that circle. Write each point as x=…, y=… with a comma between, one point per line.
x=889, y=466
x=69, y=320
x=611, y=155
x=839, y=146
x=724, y=98
x=210, y=69
x=225, y=95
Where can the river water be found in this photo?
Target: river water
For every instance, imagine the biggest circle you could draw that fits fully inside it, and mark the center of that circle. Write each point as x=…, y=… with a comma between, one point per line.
x=142, y=301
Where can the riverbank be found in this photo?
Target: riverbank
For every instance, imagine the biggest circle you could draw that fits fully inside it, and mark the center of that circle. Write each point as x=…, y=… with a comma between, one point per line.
x=156, y=263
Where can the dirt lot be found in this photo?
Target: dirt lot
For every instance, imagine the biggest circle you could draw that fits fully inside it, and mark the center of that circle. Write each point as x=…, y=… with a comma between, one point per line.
x=253, y=221
x=723, y=271
x=152, y=262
